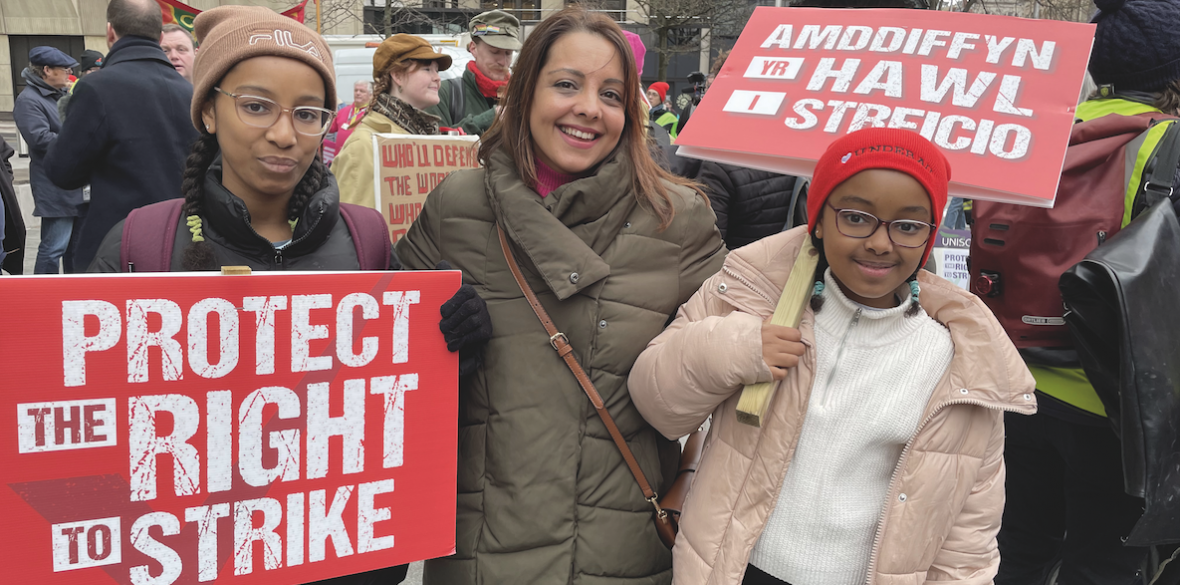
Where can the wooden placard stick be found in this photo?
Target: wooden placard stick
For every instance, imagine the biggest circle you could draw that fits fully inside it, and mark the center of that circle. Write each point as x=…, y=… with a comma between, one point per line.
x=755, y=399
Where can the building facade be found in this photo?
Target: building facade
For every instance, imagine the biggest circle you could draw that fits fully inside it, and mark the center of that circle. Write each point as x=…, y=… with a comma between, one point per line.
x=76, y=25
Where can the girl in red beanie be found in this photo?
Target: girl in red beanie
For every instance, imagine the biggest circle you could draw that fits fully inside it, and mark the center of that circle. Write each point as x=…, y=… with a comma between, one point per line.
x=881, y=457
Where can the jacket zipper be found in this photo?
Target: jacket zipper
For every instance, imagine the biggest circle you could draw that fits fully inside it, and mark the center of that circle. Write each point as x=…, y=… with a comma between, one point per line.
x=869, y=580
x=750, y=285
x=823, y=401
x=279, y=252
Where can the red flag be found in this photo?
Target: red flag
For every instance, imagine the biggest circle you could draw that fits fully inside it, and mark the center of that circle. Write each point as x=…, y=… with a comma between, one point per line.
x=174, y=12
x=296, y=12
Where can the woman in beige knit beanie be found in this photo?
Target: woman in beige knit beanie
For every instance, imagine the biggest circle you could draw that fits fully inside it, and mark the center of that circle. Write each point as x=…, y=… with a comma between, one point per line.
x=255, y=191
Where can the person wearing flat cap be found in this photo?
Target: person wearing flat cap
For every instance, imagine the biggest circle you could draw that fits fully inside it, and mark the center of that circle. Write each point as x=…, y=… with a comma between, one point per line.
x=469, y=102
x=405, y=84
x=127, y=133
x=36, y=117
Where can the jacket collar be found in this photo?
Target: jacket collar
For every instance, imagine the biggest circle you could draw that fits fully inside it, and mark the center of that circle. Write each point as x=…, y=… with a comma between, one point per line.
x=381, y=124
x=133, y=48
x=41, y=86
x=985, y=362
x=229, y=218
x=415, y=121
x=566, y=232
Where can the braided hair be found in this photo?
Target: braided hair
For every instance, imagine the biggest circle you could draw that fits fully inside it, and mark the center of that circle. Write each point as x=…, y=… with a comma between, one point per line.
x=817, y=299
x=199, y=254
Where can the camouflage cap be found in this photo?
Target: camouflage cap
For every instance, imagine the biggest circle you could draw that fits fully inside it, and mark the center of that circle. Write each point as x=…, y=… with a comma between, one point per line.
x=496, y=28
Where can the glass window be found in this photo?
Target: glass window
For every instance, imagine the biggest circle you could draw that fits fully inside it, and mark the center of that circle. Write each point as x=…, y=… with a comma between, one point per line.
x=616, y=9
x=525, y=10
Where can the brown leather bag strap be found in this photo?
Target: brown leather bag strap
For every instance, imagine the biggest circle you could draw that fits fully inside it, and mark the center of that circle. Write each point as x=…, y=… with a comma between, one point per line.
x=561, y=343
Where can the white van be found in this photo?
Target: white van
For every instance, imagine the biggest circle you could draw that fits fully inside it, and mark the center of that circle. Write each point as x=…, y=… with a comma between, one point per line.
x=353, y=58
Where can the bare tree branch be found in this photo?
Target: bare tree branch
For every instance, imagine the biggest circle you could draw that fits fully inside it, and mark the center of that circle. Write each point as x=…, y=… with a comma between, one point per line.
x=1069, y=10
x=683, y=26
x=396, y=16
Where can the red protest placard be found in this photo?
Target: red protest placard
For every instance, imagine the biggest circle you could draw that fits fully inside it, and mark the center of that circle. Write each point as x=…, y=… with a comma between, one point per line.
x=267, y=429
x=995, y=93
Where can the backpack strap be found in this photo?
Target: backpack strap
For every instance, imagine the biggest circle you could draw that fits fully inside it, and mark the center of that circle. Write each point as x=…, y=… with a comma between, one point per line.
x=458, y=104
x=149, y=234
x=1158, y=185
x=799, y=191
x=369, y=235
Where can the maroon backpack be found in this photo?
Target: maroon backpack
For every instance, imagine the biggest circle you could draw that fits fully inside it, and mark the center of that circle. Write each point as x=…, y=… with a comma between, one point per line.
x=147, y=227
x=1018, y=252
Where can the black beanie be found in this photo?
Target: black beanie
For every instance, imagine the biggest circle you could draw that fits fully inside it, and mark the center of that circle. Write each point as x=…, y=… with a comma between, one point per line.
x=1136, y=46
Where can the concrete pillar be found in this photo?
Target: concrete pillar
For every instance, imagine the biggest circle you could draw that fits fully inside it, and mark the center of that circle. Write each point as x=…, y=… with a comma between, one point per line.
x=705, y=50
x=7, y=100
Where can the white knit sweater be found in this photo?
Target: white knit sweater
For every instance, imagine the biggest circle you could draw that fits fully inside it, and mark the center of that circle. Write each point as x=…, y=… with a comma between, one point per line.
x=875, y=374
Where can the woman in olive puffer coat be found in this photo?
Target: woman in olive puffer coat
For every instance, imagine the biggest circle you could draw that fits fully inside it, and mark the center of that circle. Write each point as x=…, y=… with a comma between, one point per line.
x=611, y=245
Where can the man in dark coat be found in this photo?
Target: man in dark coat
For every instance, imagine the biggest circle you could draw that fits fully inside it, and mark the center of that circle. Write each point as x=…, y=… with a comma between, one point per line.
x=35, y=113
x=12, y=228
x=128, y=131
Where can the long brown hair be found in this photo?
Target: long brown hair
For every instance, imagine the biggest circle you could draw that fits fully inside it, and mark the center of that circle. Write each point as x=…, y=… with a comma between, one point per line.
x=511, y=129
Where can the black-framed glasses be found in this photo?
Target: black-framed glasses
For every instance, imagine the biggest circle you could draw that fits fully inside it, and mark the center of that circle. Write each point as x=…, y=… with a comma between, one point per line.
x=907, y=233
x=261, y=112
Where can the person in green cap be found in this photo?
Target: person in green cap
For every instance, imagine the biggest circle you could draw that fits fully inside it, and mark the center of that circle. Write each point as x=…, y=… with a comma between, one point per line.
x=469, y=102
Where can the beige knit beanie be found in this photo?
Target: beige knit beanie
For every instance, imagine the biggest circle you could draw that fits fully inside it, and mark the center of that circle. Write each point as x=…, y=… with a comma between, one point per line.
x=229, y=35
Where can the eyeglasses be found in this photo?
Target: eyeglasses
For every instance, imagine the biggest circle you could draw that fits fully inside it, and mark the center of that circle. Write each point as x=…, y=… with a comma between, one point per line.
x=261, y=112
x=907, y=233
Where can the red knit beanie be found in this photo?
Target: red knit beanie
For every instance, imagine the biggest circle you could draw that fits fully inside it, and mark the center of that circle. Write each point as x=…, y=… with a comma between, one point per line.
x=661, y=88
x=880, y=148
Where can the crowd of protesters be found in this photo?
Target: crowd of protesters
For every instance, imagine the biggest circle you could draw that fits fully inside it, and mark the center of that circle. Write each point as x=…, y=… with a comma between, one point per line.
x=631, y=256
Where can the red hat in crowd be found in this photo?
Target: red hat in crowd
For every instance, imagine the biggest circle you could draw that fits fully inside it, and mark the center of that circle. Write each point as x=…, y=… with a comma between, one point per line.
x=880, y=148
x=661, y=88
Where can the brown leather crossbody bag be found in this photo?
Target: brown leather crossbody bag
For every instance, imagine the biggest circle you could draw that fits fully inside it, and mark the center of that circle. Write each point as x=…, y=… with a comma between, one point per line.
x=667, y=510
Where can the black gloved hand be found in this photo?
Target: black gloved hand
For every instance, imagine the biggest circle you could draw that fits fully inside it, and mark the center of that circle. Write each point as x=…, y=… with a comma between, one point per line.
x=466, y=325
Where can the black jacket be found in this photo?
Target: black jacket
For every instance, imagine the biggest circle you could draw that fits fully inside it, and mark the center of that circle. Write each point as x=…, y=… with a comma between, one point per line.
x=14, y=223
x=127, y=134
x=35, y=113
x=321, y=241
x=749, y=204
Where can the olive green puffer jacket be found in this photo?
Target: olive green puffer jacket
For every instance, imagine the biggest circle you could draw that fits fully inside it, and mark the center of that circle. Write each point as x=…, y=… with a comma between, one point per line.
x=544, y=495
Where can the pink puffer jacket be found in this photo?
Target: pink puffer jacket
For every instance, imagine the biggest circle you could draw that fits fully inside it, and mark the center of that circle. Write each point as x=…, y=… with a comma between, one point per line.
x=946, y=497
